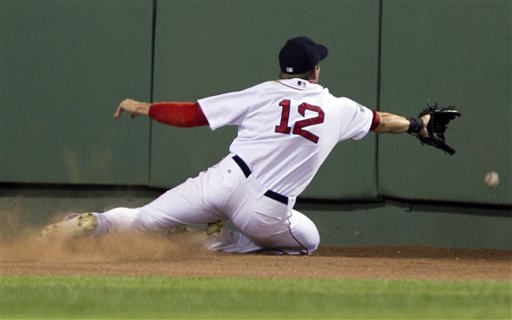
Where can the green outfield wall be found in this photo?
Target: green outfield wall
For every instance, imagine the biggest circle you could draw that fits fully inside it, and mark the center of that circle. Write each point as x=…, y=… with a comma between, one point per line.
x=65, y=66
x=452, y=52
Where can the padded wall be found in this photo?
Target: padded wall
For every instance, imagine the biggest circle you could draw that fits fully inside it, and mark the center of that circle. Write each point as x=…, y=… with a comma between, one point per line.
x=457, y=53
x=207, y=48
x=65, y=66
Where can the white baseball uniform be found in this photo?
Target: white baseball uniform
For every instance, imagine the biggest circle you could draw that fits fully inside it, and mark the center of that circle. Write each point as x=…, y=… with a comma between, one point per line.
x=286, y=129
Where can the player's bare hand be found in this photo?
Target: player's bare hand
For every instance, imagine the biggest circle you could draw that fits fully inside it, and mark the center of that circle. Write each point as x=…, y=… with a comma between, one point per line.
x=135, y=108
x=424, y=132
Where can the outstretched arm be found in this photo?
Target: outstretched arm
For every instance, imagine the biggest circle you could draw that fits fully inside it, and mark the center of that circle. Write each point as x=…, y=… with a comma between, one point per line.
x=179, y=114
x=392, y=123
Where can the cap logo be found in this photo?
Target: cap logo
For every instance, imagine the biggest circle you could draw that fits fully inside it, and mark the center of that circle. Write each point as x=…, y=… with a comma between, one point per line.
x=289, y=69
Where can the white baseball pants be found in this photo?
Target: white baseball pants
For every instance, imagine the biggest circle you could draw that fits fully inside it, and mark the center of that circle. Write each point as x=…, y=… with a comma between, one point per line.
x=223, y=192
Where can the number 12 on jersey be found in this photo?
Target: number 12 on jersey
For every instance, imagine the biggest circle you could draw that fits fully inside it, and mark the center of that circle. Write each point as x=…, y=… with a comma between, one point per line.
x=284, y=126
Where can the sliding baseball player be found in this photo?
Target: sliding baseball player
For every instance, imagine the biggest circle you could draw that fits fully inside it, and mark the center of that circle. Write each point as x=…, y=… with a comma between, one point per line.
x=286, y=130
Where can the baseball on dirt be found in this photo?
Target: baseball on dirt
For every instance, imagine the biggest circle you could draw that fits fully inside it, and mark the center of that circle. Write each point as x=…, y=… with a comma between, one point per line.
x=491, y=179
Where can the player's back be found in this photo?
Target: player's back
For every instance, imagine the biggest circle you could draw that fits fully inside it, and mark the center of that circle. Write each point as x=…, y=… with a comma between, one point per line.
x=289, y=130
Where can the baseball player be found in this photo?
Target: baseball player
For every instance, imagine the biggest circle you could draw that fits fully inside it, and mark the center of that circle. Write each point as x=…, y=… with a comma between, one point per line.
x=286, y=129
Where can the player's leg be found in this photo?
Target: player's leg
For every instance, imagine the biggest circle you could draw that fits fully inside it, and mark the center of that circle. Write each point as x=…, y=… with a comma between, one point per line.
x=293, y=234
x=297, y=235
x=198, y=200
x=178, y=206
x=302, y=236
x=151, y=217
x=231, y=240
x=193, y=202
x=182, y=205
x=264, y=223
x=115, y=220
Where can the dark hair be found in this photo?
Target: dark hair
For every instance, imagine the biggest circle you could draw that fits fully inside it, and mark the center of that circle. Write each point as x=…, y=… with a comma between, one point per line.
x=305, y=75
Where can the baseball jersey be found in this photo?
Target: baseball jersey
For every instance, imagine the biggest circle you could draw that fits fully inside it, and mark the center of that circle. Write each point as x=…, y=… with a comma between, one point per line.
x=286, y=129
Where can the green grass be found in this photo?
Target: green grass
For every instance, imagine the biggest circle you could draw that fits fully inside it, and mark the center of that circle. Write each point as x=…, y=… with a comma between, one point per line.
x=67, y=297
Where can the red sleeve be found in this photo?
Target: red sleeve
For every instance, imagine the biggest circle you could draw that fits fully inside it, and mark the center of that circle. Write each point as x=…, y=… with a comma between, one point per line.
x=179, y=114
x=375, y=120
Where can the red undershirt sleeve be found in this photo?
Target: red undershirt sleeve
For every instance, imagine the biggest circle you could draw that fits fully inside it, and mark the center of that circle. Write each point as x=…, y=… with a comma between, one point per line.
x=375, y=120
x=179, y=114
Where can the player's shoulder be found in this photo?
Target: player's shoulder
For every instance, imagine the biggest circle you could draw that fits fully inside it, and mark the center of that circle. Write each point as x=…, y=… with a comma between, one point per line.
x=349, y=104
x=338, y=101
x=260, y=86
x=345, y=100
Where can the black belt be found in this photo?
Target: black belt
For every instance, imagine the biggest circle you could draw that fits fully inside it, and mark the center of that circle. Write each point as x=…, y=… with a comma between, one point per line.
x=247, y=172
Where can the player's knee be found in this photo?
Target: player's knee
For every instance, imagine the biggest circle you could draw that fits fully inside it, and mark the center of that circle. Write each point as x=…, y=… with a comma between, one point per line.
x=307, y=234
x=312, y=242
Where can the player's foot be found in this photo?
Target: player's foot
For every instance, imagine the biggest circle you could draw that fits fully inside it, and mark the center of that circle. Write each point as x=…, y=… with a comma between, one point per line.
x=179, y=229
x=214, y=228
x=74, y=225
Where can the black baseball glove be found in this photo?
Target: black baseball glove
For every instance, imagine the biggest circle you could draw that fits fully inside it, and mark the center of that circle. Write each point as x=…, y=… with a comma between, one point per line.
x=439, y=119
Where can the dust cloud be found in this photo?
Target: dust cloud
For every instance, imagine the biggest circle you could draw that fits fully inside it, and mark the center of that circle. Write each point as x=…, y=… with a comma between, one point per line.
x=24, y=244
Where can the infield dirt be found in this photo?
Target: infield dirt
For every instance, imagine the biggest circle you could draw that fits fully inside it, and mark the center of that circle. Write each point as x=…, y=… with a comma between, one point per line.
x=182, y=255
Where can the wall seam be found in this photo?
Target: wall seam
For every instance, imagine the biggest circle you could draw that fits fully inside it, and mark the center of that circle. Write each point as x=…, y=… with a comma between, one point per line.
x=152, y=85
x=379, y=78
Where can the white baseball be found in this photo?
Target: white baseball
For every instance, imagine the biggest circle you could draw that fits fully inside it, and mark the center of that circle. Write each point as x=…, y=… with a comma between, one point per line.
x=492, y=179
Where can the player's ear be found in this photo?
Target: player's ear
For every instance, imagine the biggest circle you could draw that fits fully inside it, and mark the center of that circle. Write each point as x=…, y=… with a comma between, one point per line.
x=315, y=74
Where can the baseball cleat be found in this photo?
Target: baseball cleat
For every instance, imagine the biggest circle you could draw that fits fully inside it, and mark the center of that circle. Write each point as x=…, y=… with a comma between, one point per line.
x=214, y=228
x=74, y=226
x=179, y=229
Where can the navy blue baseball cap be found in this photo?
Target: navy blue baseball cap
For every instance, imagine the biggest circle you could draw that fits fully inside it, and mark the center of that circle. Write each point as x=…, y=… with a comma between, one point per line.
x=301, y=54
